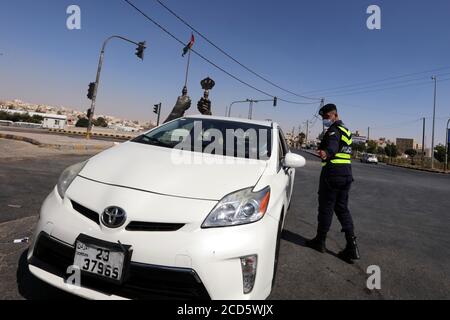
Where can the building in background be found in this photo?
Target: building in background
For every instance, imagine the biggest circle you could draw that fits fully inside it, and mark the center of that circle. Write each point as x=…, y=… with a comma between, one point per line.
x=404, y=144
x=54, y=121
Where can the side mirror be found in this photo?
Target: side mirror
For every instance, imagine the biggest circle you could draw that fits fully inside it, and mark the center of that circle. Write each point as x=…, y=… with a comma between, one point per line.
x=292, y=160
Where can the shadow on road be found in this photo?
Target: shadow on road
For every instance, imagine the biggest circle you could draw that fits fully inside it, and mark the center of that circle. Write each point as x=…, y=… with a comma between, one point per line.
x=31, y=288
x=301, y=241
x=294, y=238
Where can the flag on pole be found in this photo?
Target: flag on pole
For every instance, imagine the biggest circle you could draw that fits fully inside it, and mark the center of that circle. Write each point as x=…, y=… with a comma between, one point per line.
x=189, y=46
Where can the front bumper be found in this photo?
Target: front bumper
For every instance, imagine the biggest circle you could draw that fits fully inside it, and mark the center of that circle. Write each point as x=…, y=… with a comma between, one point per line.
x=205, y=263
x=52, y=257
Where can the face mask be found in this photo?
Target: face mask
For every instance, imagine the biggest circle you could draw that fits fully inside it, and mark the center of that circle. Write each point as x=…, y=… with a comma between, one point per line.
x=327, y=123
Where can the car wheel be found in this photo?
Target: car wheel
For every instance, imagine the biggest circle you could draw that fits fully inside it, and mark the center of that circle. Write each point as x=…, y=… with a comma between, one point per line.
x=277, y=250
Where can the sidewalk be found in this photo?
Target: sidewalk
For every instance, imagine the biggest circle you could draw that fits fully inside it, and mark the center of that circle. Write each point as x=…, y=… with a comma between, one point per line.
x=57, y=142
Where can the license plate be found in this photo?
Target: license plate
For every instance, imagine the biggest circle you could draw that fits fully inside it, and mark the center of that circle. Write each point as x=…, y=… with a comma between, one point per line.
x=98, y=260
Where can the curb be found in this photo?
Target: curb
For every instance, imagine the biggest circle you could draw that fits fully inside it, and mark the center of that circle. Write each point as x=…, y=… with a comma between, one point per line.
x=417, y=169
x=77, y=147
x=116, y=136
x=20, y=138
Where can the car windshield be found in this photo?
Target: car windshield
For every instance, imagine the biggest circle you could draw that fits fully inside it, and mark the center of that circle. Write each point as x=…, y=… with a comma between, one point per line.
x=213, y=136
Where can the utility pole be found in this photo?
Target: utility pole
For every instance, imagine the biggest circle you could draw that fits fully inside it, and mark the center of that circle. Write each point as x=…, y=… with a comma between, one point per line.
x=434, y=120
x=368, y=134
x=322, y=103
x=423, y=143
x=251, y=102
x=307, y=131
x=446, y=145
x=139, y=52
x=250, y=108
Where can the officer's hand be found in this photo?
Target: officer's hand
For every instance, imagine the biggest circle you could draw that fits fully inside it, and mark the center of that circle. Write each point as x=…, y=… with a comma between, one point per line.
x=322, y=154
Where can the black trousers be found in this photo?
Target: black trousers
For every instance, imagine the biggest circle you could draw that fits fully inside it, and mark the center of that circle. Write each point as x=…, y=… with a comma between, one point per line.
x=333, y=197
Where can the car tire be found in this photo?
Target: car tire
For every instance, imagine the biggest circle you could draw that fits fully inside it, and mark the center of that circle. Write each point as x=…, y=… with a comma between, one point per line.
x=277, y=250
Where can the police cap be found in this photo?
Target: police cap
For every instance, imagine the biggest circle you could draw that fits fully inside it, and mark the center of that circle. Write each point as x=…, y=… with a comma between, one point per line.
x=327, y=108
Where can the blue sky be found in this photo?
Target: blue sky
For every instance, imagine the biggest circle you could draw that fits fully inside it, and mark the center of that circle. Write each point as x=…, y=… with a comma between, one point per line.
x=301, y=45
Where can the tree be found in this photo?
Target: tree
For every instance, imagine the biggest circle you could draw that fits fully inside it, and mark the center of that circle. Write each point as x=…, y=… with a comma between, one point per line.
x=36, y=119
x=439, y=153
x=100, y=122
x=381, y=151
x=412, y=153
x=82, y=123
x=371, y=146
x=301, y=138
x=391, y=150
x=361, y=147
x=19, y=117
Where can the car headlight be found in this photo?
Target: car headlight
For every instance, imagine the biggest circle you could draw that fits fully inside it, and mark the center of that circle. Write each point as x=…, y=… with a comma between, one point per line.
x=68, y=175
x=241, y=207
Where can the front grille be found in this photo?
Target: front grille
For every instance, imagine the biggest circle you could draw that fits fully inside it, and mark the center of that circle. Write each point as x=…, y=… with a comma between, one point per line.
x=142, y=281
x=151, y=226
x=88, y=213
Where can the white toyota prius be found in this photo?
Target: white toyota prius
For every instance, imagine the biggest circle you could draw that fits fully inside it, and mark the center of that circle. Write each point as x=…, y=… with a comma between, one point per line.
x=192, y=209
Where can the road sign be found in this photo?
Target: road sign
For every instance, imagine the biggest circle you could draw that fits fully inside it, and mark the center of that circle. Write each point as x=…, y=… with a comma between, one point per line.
x=359, y=139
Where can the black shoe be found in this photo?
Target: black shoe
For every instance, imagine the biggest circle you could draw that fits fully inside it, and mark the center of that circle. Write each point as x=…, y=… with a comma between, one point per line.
x=351, y=251
x=317, y=244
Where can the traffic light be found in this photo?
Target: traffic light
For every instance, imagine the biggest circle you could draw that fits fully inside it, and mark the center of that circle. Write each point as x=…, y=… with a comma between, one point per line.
x=89, y=113
x=156, y=109
x=275, y=101
x=91, y=90
x=140, y=50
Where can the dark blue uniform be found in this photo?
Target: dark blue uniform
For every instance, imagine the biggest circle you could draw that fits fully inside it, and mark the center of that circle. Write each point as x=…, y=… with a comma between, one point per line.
x=335, y=180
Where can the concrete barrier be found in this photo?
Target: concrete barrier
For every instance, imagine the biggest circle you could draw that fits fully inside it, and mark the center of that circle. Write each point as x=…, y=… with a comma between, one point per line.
x=111, y=135
x=74, y=146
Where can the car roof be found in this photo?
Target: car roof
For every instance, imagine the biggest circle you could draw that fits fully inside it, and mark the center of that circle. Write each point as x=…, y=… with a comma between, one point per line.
x=266, y=123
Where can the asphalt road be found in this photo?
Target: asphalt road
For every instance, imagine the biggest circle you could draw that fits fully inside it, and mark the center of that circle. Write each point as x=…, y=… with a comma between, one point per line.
x=402, y=221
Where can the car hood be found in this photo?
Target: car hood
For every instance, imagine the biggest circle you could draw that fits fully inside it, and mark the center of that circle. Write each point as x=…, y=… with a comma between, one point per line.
x=173, y=172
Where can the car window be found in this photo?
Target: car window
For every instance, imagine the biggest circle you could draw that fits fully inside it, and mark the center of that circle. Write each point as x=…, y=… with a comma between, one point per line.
x=231, y=138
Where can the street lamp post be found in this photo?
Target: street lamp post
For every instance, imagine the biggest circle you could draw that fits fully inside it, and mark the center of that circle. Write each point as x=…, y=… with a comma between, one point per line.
x=434, y=119
x=234, y=102
x=140, y=50
x=446, y=145
x=250, y=107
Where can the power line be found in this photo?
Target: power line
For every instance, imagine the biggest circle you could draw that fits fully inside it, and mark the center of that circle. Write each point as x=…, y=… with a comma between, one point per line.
x=383, y=84
x=229, y=56
x=376, y=81
x=389, y=88
x=396, y=125
x=207, y=60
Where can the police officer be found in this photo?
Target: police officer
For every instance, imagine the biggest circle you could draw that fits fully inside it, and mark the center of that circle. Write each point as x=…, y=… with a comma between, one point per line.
x=336, y=178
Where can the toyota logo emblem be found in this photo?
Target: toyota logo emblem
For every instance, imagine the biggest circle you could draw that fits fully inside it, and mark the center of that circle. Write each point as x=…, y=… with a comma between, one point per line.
x=114, y=217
